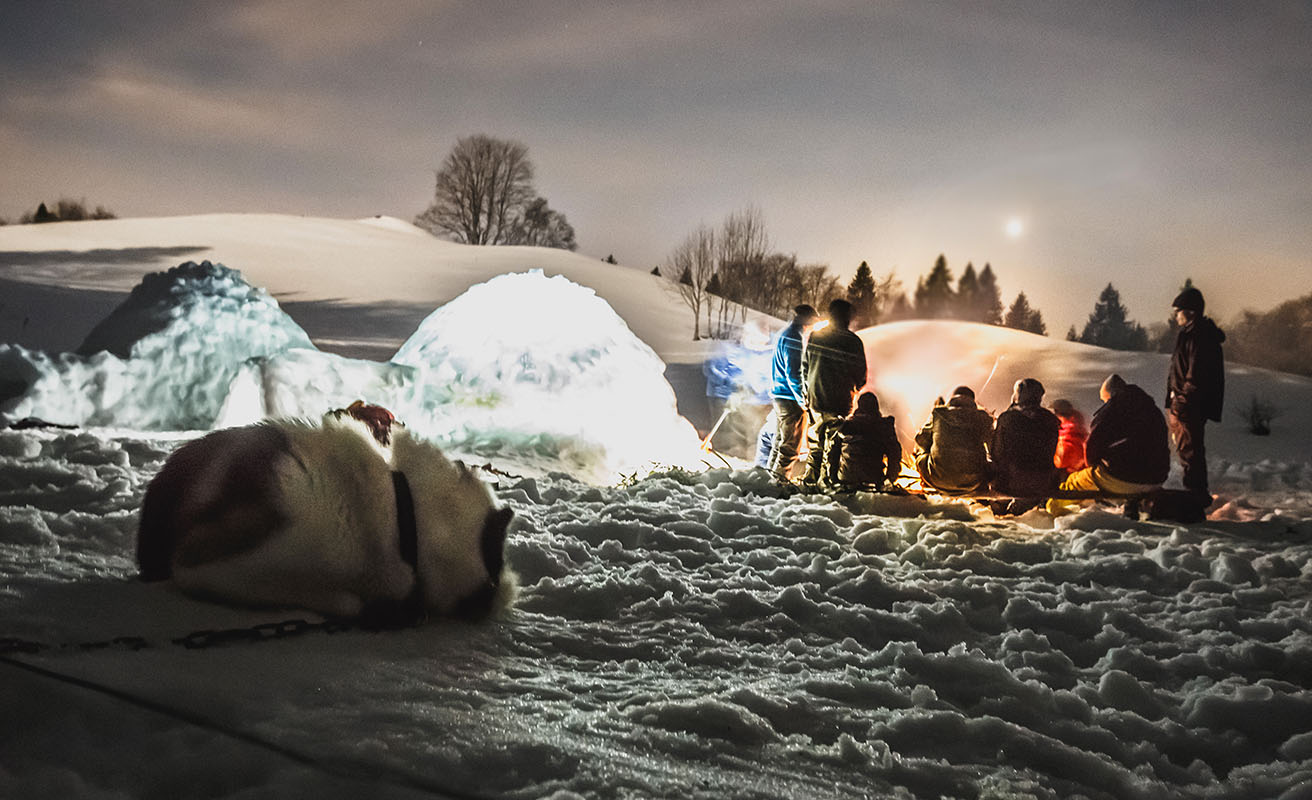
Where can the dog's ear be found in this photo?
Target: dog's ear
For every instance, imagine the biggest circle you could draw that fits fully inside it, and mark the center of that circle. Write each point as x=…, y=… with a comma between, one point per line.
x=495, y=526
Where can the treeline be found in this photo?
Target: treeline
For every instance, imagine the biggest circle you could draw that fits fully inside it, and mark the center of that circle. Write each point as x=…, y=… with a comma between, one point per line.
x=720, y=272
x=1279, y=339
x=65, y=210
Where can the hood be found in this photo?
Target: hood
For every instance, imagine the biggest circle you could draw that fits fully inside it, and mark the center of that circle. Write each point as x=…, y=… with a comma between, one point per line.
x=1205, y=328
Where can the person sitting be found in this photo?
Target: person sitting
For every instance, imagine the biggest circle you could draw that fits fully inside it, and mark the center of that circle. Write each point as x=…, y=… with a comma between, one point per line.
x=1070, y=437
x=1024, y=443
x=870, y=454
x=952, y=453
x=1128, y=449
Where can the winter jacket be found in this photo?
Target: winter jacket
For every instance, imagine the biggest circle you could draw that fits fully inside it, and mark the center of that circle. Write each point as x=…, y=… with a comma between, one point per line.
x=723, y=373
x=870, y=452
x=1195, y=384
x=786, y=368
x=956, y=439
x=1024, y=443
x=1128, y=438
x=1070, y=443
x=833, y=368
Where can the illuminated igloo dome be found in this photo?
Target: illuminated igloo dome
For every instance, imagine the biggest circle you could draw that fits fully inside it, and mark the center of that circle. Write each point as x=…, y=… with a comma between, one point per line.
x=526, y=352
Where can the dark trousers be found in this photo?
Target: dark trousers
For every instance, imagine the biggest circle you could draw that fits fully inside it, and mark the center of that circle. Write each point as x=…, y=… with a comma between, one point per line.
x=790, y=425
x=822, y=442
x=1187, y=433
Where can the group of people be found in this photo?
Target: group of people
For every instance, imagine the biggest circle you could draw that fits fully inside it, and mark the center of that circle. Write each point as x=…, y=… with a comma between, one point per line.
x=1029, y=452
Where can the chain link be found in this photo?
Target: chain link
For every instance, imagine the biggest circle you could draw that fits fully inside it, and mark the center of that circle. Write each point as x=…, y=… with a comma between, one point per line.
x=196, y=640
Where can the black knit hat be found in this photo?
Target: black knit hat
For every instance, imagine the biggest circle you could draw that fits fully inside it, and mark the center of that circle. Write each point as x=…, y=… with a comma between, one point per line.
x=1189, y=300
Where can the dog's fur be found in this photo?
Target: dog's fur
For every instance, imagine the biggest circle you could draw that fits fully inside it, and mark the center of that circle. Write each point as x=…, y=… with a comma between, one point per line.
x=296, y=513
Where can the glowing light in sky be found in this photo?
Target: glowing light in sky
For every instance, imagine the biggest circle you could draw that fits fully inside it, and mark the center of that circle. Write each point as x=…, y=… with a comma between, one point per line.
x=1015, y=227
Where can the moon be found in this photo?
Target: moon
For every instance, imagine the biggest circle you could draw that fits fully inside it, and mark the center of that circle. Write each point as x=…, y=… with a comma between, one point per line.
x=1014, y=228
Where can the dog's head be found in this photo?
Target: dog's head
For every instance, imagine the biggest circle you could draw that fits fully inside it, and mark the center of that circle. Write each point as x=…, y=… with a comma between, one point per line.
x=462, y=533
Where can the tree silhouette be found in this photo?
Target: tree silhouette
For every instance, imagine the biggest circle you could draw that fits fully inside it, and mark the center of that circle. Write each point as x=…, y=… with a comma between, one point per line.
x=861, y=294
x=1109, y=324
x=1022, y=317
x=934, y=295
x=989, y=299
x=484, y=194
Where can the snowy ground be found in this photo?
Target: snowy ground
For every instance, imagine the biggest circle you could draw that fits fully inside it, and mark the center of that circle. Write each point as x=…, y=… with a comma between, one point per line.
x=697, y=634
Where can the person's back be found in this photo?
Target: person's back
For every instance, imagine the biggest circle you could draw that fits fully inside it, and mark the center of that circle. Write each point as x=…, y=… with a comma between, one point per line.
x=834, y=367
x=1128, y=438
x=870, y=452
x=1023, y=447
x=954, y=443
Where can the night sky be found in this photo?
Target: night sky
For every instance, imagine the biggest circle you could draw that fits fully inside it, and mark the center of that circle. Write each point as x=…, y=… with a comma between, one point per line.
x=1068, y=144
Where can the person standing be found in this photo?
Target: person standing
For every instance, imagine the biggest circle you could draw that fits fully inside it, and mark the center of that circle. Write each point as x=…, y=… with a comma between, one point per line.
x=1195, y=387
x=833, y=368
x=788, y=392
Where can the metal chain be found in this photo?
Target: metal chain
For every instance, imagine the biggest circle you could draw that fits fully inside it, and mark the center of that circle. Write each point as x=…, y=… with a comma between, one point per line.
x=196, y=640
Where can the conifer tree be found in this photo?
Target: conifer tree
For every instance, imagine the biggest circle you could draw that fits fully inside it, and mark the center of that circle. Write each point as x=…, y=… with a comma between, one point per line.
x=967, y=305
x=934, y=295
x=990, y=297
x=1022, y=317
x=1109, y=324
x=861, y=294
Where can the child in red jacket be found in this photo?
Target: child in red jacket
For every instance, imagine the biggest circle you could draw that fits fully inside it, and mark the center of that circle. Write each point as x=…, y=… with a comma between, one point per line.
x=1070, y=436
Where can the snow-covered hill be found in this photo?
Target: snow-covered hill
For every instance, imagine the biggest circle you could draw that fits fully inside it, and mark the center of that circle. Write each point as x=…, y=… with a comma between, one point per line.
x=379, y=261
x=911, y=363
x=694, y=634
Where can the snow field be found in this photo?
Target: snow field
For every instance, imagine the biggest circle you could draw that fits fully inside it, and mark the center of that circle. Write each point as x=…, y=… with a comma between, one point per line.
x=698, y=635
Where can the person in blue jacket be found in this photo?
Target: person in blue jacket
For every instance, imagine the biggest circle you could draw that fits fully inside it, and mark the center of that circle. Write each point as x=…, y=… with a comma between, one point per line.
x=788, y=392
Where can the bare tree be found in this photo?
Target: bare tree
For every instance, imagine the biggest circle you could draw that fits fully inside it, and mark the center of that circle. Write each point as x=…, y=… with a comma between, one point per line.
x=693, y=265
x=742, y=247
x=818, y=285
x=481, y=190
x=539, y=225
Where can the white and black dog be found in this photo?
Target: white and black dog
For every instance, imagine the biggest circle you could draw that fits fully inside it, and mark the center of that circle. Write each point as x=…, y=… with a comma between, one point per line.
x=350, y=516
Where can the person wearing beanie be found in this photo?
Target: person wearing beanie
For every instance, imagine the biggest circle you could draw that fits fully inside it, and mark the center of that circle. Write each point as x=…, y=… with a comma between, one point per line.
x=869, y=454
x=1127, y=450
x=952, y=447
x=1024, y=443
x=788, y=393
x=1195, y=387
x=833, y=368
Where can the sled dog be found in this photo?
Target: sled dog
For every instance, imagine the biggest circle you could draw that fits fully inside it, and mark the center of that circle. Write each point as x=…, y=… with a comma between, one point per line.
x=349, y=516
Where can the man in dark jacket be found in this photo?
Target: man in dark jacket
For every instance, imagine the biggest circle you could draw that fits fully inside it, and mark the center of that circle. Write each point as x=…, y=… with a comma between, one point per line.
x=1195, y=386
x=870, y=454
x=833, y=369
x=953, y=445
x=1024, y=442
x=1127, y=449
x=788, y=392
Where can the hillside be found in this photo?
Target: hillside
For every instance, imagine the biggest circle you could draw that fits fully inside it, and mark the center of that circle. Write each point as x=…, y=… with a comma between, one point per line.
x=379, y=276
x=361, y=287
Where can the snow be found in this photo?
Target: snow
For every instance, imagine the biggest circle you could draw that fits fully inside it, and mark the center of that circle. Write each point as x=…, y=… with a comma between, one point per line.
x=694, y=633
x=162, y=361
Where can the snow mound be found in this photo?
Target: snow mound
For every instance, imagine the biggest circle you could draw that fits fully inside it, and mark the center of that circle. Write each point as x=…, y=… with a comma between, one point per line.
x=530, y=372
x=163, y=360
